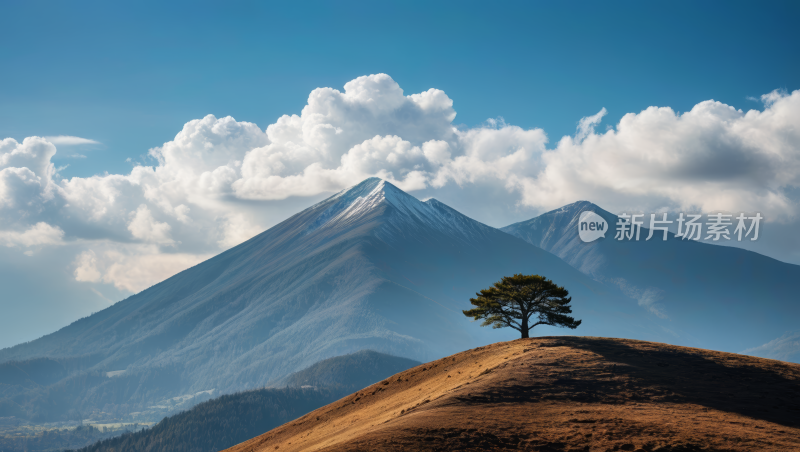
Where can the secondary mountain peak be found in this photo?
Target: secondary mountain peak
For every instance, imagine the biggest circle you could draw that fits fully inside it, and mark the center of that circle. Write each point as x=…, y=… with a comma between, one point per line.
x=549, y=230
x=675, y=278
x=577, y=206
x=563, y=217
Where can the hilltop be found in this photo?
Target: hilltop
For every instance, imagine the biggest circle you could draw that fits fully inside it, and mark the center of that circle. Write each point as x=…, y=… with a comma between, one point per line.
x=561, y=394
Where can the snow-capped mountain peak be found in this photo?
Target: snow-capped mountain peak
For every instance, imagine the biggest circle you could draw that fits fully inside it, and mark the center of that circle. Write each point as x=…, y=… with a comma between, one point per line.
x=375, y=196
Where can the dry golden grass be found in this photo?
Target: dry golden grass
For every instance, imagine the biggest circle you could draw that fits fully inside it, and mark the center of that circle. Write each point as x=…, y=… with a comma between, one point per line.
x=563, y=394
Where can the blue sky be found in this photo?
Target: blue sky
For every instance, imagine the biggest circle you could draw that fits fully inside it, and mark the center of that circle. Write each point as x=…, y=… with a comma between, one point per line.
x=130, y=77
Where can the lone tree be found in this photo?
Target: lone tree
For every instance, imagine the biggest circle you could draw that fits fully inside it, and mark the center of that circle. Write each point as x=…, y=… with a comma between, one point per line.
x=514, y=300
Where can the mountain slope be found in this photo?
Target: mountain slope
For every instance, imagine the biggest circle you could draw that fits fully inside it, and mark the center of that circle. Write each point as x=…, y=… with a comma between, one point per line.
x=712, y=296
x=349, y=372
x=369, y=268
x=561, y=394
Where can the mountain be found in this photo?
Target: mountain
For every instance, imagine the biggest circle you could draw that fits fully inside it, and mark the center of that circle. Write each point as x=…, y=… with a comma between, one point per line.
x=349, y=372
x=716, y=297
x=231, y=419
x=562, y=394
x=368, y=268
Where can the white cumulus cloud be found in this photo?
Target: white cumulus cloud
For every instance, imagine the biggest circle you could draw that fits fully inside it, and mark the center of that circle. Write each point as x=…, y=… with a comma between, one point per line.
x=711, y=158
x=39, y=234
x=144, y=227
x=130, y=267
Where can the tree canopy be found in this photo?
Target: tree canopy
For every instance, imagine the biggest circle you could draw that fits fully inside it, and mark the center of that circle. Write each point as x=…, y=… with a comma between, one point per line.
x=517, y=301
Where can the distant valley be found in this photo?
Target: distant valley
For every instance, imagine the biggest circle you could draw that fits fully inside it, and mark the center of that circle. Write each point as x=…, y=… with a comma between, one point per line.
x=232, y=419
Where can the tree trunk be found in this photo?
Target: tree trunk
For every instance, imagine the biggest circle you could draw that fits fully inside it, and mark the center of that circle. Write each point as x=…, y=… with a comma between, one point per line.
x=524, y=331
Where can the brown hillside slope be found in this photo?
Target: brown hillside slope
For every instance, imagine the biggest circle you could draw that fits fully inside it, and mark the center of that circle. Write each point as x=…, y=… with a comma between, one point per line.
x=563, y=394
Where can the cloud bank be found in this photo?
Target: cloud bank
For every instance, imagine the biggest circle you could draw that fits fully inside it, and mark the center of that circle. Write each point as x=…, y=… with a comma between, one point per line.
x=220, y=181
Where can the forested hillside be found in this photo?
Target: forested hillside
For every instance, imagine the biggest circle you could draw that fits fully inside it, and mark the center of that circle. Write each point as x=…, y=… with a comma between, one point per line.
x=223, y=422
x=230, y=419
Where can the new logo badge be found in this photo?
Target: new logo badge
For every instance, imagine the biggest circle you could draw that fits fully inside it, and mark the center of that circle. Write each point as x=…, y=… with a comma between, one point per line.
x=591, y=226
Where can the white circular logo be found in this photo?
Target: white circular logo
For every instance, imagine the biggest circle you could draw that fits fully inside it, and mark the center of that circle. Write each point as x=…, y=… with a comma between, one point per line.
x=591, y=226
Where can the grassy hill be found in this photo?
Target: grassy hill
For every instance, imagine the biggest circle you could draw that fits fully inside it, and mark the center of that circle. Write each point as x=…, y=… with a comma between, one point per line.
x=562, y=394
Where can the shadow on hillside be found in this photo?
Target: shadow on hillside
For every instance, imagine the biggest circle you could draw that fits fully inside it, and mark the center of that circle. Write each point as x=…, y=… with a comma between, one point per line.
x=687, y=376
x=669, y=375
